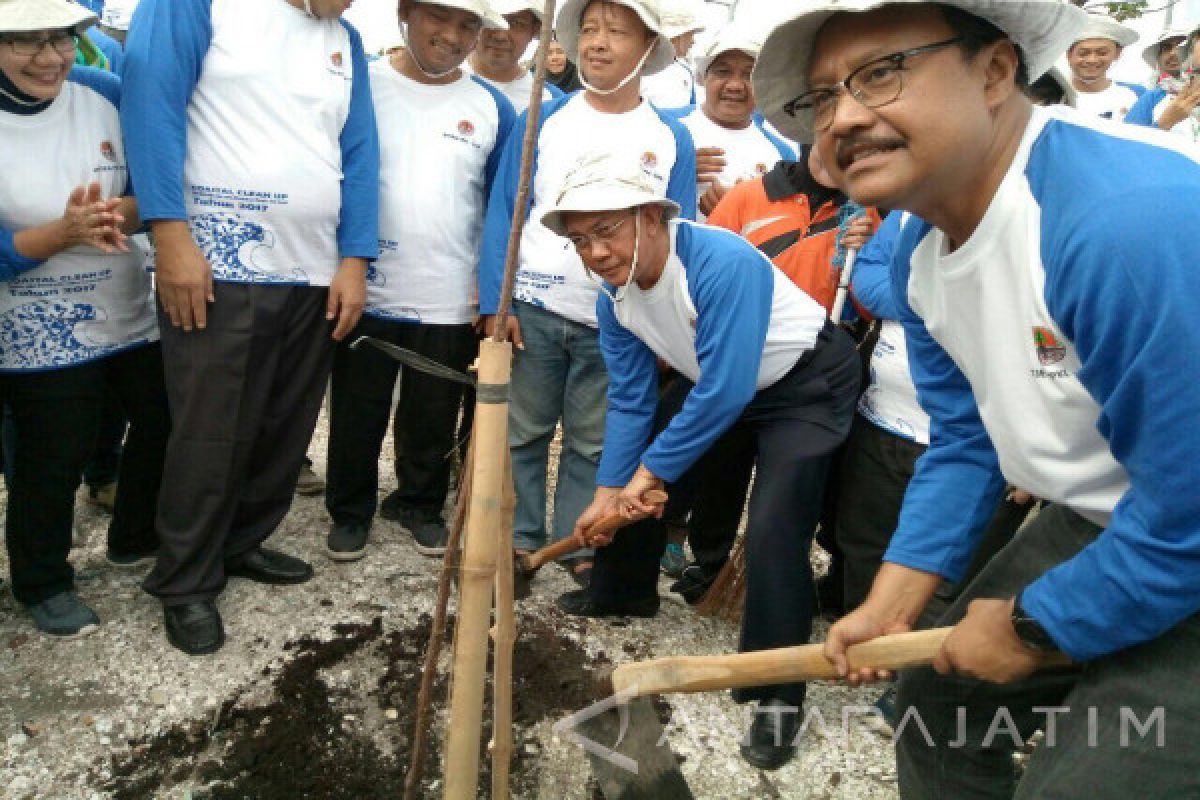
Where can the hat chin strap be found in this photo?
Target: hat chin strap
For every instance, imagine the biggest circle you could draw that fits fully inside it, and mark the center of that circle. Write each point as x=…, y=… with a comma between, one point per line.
x=619, y=296
x=308, y=9
x=624, y=81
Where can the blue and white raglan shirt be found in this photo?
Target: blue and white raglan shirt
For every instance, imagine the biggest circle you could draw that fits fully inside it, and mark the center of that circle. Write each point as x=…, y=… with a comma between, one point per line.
x=1150, y=107
x=550, y=273
x=889, y=401
x=1058, y=348
x=672, y=87
x=749, y=152
x=519, y=91
x=724, y=317
x=82, y=304
x=1111, y=103
x=253, y=122
x=438, y=159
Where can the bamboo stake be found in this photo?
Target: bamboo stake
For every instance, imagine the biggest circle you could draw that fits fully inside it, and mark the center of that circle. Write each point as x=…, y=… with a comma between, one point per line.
x=437, y=633
x=505, y=639
x=485, y=517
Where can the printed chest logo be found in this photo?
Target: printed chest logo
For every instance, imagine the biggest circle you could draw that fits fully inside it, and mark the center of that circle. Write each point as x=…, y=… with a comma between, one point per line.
x=464, y=132
x=1049, y=349
x=109, y=152
x=649, y=160
x=336, y=59
x=466, y=127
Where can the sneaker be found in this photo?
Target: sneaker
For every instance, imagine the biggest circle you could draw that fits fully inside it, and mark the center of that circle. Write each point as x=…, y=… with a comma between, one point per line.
x=346, y=542
x=427, y=529
x=309, y=483
x=694, y=583
x=580, y=603
x=130, y=560
x=673, y=561
x=64, y=615
x=103, y=497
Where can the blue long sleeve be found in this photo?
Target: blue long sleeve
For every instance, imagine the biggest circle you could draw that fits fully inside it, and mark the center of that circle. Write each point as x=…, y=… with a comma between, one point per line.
x=1142, y=112
x=957, y=483
x=358, y=226
x=681, y=184
x=506, y=115
x=632, y=397
x=164, y=53
x=1125, y=301
x=731, y=289
x=872, y=279
x=13, y=263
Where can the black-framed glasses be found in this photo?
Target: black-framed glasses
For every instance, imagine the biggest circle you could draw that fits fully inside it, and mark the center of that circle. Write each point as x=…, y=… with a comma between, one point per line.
x=29, y=45
x=603, y=233
x=874, y=84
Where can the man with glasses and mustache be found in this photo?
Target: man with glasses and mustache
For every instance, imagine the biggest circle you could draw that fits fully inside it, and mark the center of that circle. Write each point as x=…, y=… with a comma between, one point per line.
x=1044, y=286
x=253, y=148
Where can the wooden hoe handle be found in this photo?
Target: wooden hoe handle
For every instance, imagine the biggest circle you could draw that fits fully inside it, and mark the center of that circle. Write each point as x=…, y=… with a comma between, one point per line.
x=782, y=665
x=607, y=524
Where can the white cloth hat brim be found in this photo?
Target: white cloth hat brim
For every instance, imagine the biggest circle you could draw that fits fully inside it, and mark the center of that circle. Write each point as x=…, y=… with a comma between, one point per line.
x=492, y=20
x=571, y=15
x=1098, y=27
x=507, y=7
x=726, y=41
x=1042, y=29
x=602, y=198
x=22, y=16
x=1150, y=53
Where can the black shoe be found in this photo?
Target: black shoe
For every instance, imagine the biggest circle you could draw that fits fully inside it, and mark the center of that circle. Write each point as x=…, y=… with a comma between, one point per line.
x=425, y=527
x=580, y=603
x=268, y=566
x=194, y=628
x=130, y=560
x=391, y=506
x=769, y=744
x=694, y=583
x=346, y=542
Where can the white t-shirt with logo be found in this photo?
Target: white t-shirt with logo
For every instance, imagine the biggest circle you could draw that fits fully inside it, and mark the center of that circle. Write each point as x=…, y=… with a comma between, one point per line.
x=437, y=147
x=673, y=87
x=1111, y=103
x=749, y=154
x=80, y=305
x=551, y=274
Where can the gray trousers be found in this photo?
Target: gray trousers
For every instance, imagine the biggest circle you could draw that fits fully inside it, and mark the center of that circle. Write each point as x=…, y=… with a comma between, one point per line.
x=1114, y=751
x=244, y=393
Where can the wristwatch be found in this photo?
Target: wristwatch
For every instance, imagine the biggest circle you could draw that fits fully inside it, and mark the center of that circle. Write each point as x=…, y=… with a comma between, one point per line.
x=1030, y=631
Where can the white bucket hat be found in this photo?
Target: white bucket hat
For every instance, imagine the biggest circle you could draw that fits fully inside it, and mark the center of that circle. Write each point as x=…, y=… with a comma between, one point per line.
x=1099, y=26
x=1150, y=54
x=661, y=56
x=1042, y=29
x=118, y=14
x=605, y=182
x=731, y=37
x=506, y=7
x=22, y=16
x=492, y=19
x=679, y=17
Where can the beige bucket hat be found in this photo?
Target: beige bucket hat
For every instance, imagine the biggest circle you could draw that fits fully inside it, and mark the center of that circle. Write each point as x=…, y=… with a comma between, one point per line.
x=21, y=16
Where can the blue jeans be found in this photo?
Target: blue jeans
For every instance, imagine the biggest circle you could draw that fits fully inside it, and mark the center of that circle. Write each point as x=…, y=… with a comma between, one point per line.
x=559, y=375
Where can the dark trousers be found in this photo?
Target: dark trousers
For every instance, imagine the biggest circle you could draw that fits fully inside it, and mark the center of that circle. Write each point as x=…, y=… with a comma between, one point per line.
x=793, y=427
x=54, y=419
x=1086, y=759
x=105, y=460
x=874, y=473
x=245, y=393
x=425, y=420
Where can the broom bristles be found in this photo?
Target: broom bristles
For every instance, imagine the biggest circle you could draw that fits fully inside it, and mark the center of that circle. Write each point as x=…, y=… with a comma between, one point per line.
x=726, y=598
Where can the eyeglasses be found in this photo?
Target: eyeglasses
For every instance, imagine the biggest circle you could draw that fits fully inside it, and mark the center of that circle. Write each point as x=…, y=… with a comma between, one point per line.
x=603, y=233
x=30, y=45
x=874, y=84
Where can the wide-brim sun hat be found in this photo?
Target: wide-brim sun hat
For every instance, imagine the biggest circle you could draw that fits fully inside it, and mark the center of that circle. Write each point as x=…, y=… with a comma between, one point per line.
x=648, y=11
x=23, y=16
x=727, y=39
x=605, y=182
x=1177, y=36
x=680, y=17
x=1041, y=29
x=506, y=7
x=1099, y=26
x=492, y=19
x=118, y=14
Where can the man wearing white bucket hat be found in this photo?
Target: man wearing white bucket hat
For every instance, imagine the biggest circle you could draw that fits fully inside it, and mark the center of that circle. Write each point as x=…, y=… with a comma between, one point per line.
x=1096, y=47
x=444, y=133
x=1174, y=104
x=675, y=85
x=1042, y=355
x=497, y=58
x=1164, y=55
x=559, y=372
x=253, y=148
x=769, y=371
x=725, y=125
